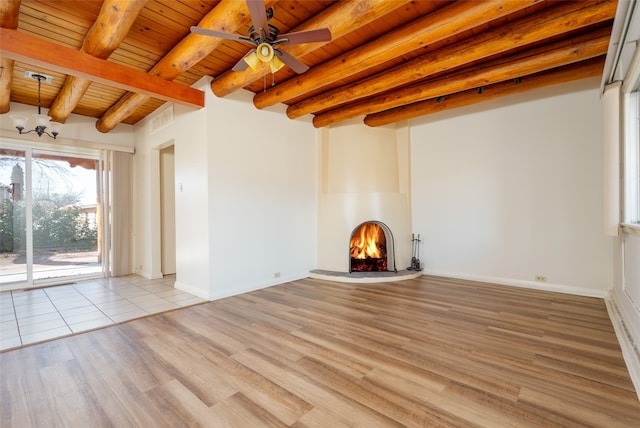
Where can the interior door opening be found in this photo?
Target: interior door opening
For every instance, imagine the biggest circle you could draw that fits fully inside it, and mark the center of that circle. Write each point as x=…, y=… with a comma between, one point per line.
x=167, y=211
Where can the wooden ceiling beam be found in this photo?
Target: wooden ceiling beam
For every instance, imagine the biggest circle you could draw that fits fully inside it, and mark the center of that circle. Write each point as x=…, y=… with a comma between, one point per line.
x=439, y=25
x=109, y=30
x=557, y=55
x=9, y=12
x=552, y=22
x=341, y=18
x=189, y=51
x=52, y=56
x=581, y=70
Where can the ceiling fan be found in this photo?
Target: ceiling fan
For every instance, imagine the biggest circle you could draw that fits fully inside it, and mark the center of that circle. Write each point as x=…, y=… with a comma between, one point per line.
x=266, y=37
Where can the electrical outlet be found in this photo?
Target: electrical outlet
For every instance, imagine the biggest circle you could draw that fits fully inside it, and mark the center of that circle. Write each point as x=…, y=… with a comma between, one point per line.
x=276, y=275
x=541, y=278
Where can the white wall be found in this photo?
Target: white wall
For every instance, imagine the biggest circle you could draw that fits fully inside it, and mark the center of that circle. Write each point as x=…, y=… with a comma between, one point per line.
x=623, y=302
x=262, y=187
x=245, y=196
x=630, y=286
x=512, y=188
x=186, y=129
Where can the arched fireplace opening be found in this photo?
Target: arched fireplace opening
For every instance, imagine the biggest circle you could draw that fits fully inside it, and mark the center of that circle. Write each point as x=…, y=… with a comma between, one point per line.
x=371, y=248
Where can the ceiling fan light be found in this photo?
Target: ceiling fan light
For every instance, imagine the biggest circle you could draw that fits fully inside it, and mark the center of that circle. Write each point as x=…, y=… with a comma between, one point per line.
x=275, y=64
x=20, y=122
x=252, y=60
x=42, y=120
x=264, y=52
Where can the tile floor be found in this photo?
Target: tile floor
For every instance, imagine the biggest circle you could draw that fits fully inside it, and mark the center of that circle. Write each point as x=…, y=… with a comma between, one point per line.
x=36, y=315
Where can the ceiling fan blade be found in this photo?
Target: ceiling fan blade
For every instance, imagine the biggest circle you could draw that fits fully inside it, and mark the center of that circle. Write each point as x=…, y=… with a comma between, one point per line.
x=290, y=61
x=213, y=33
x=258, y=16
x=309, y=36
x=243, y=64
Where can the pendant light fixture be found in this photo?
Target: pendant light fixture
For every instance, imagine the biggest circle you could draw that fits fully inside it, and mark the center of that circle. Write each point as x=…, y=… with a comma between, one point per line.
x=42, y=120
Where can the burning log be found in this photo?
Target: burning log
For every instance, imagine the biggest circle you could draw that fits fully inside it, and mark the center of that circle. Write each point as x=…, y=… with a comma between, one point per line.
x=368, y=264
x=368, y=249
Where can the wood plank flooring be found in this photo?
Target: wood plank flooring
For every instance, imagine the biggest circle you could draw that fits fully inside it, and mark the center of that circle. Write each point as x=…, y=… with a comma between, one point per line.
x=429, y=352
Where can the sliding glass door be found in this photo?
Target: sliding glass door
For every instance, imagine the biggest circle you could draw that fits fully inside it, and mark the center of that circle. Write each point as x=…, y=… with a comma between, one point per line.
x=13, y=221
x=50, y=217
x=64, y=204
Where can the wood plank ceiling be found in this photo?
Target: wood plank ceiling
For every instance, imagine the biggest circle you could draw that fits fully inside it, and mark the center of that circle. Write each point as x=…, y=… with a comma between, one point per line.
x=389, y=60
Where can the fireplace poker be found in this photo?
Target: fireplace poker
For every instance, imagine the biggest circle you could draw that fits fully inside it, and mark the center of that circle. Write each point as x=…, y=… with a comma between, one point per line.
x=415, y=252
x=418, y=253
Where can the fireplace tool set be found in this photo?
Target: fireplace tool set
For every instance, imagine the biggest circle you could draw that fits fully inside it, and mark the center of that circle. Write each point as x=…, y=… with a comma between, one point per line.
x=415, y=253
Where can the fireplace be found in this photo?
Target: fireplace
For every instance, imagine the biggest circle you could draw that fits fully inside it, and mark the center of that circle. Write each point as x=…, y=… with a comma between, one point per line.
x=364, y=176
x=371, y=248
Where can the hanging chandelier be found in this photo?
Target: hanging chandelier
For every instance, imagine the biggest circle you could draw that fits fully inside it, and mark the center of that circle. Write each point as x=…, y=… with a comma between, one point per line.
x=42, y=120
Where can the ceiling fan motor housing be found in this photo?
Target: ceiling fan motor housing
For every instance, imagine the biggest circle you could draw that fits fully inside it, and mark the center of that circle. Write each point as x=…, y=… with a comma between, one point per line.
x=256, y=36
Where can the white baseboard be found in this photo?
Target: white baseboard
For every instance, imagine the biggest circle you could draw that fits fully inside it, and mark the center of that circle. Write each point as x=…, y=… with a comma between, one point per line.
x=196, y=291
x=156, y=275
x=148, y=275
x=627, y=337
x=546, y=286
x=217, y=294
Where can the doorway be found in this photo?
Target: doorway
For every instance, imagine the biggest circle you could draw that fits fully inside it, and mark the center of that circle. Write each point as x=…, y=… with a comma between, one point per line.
x=167, y=211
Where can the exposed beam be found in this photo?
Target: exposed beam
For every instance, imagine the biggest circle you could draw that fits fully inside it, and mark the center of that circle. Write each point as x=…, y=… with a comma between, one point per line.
x=441, y=24
x=555, y=21
x=341, y=18
x=9, y=12
x=6, y=79
x=42, y=53
x=581, y=70
x=111, y=27
x=226, y=16
x=557, y=55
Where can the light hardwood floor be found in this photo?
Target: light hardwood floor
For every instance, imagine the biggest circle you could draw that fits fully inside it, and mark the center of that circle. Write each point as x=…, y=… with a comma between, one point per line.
x=312, y=353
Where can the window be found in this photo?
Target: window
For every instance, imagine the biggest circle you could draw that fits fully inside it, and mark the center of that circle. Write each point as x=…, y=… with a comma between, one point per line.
x=632, y=159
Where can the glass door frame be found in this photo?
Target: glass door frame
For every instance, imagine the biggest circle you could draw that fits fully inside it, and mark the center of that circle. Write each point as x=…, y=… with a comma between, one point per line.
x=29, y=150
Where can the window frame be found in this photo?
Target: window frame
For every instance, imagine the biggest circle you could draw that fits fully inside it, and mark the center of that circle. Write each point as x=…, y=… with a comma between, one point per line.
x=631, y=156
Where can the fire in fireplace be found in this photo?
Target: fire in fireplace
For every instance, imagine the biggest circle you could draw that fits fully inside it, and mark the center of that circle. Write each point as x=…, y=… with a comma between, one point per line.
x=368, y=248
